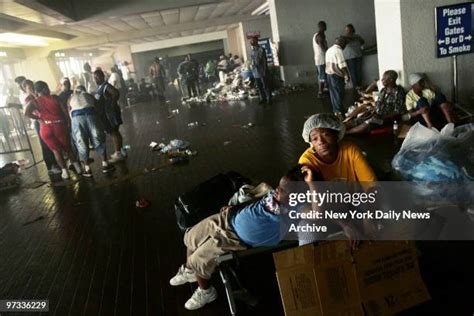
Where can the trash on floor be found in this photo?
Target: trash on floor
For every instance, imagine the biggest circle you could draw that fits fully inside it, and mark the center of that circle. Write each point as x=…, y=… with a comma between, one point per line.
x=142, y=203
x=227, y=142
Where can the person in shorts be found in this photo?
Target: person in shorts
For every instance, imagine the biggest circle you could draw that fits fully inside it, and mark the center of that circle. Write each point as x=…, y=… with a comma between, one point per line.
x=109, y=113
x=252, y=224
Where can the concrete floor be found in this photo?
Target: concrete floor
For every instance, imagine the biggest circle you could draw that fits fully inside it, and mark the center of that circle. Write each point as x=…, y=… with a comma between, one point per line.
x=86, y=248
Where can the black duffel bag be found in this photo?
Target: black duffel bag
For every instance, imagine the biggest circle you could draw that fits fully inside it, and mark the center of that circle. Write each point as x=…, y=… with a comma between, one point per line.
x=207, y=198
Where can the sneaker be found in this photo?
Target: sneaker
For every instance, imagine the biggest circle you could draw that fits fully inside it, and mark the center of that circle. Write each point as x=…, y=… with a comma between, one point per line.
x=116, y=157
x=107, y=168
x=65, y=174
x=87, y=173
x=183, y=276
x=200, y=298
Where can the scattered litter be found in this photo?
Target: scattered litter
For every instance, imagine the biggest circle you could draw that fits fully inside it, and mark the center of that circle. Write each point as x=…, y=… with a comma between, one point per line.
x=168, y=101
x=179, y=160
x=34, y=221
x=142, y=203
x=193, y=124
x=249, y=125
x=227, y=142
x=190, y=152
x=157, y=122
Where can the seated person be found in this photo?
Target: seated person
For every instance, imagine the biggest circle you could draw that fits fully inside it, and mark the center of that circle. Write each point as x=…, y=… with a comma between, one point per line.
x=335, y=160
x=145, y=88
x=251, y=224
x=425, y=99
x=388, y=107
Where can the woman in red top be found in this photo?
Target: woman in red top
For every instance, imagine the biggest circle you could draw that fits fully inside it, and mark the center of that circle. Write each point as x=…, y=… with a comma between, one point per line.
x=54, y=125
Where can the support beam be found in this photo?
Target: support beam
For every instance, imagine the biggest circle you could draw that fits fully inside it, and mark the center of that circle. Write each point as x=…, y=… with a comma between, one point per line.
x=179, y=41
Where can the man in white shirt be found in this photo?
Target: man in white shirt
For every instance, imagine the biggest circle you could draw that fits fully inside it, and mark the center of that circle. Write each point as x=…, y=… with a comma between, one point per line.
x=320, y=46
x=337, y=74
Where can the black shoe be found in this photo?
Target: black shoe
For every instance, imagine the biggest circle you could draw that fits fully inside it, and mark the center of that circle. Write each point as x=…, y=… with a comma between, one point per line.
x=269, y=102
x=261, y=102
x=108, y=168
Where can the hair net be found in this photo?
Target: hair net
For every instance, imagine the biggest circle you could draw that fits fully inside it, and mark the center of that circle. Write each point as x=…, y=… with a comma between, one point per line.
x=322, y=120
x=414, y=78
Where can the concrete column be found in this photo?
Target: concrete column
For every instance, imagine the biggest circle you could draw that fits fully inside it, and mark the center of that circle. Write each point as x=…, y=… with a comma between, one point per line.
x=407, y=43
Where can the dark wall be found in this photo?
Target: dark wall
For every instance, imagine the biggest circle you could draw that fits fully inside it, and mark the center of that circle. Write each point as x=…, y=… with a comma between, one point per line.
x=202, y=52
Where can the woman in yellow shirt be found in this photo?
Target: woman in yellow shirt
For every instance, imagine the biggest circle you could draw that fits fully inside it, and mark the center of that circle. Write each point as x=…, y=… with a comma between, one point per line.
x=335, y=160
x=332, y=158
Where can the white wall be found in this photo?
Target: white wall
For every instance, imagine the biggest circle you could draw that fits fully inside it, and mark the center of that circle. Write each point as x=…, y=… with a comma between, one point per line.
x=261, y=25
x=419, y=48
x=295, y=22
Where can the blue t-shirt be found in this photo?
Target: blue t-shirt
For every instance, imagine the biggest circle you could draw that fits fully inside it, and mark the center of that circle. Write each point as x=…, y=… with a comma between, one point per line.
x=258, y=224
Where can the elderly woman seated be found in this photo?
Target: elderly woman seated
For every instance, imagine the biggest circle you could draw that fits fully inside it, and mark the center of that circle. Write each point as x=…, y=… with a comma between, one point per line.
x=425, y=100
x=389, y=107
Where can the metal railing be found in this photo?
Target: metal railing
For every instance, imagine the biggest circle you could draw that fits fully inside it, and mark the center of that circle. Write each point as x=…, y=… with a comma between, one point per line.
x=13, y=132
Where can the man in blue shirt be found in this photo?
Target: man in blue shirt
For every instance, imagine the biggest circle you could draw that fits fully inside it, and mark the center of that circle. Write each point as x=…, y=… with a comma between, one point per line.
x=253, y=224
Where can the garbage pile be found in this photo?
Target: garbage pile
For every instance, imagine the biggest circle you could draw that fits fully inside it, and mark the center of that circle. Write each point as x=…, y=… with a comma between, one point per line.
x=238, y=86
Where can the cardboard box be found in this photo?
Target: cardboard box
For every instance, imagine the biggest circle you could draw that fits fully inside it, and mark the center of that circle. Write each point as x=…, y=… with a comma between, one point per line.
x=380, y=278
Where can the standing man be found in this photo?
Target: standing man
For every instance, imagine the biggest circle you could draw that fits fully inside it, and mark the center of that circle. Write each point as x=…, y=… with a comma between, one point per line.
x=109, y=113
x=320, y=46
x=157, y=75
x=353, y=54
x=337, y=74
x=260, y=71
x=194, y=75
x=183, y=73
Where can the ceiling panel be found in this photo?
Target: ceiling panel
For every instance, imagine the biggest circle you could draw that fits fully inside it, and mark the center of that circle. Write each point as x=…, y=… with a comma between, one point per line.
x=204, y=11
x=118, y=25
x=101, y=28
x=170, y=16
x=250, y=7
x=153, y=18
x=221, y=8
x=137, y=22
x=187, y=14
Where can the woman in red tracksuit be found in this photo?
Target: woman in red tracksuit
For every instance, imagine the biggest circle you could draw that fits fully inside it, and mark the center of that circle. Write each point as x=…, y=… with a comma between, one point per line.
x=54, y=125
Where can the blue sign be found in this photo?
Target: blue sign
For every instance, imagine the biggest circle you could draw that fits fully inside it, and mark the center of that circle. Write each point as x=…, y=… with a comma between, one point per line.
x=265, y=43
x=454, y=29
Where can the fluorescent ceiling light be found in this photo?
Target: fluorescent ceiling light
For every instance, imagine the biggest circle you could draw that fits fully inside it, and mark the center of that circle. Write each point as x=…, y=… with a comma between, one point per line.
x=24, y=40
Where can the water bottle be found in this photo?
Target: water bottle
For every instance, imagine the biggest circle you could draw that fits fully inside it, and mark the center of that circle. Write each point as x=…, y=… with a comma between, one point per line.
x=395, y=128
